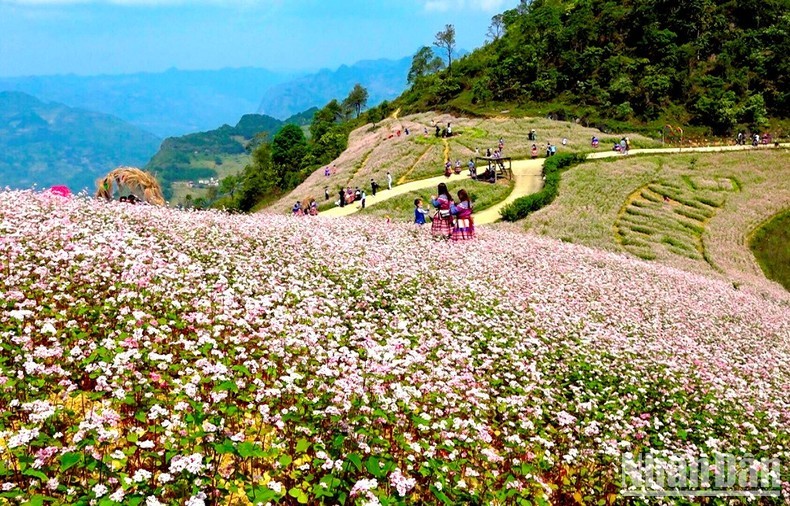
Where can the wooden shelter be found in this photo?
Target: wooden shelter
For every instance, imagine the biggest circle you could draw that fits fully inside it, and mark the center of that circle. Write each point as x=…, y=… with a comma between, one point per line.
x=139, y=183
x=501, y=167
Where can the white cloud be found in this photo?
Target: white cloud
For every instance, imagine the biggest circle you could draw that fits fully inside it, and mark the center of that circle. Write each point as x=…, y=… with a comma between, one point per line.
x=456, y=5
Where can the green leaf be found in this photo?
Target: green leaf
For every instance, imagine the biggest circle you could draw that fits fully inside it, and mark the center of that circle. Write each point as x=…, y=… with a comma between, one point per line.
x=224, y=447
x=69, y=460
x=227, y=385
x=261, y=494
x=246, y=449
x=354, y=459
x=285, y=460
x=35, y=474
x=373, y=467
x=36, y=500
x=440, y=495
x=302, y=445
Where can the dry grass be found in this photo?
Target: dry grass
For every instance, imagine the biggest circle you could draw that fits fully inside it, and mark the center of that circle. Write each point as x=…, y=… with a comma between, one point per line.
x=375, y=149
x=694, y=212
x=142, y=184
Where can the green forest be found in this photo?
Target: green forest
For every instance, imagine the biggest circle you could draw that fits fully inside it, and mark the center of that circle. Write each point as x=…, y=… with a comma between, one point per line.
x=719, y=66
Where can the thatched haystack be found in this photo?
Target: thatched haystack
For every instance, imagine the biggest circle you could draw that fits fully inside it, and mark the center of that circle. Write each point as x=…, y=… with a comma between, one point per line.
x=139, y=183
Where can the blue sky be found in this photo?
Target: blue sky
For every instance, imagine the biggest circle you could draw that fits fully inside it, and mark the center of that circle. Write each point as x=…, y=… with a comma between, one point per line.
x=87, y=37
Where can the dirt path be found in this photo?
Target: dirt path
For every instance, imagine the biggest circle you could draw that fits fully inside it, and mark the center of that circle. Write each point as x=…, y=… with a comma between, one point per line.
x=400, y=189
x=528, y=179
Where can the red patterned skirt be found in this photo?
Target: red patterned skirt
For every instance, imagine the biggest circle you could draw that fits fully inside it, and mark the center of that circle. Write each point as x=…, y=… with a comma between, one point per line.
x=441, y=227
x=464, y=229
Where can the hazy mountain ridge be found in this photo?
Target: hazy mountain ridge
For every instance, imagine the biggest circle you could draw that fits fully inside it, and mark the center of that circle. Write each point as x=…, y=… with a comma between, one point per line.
x=167, y=103
x=47, y=143
x=384, y=79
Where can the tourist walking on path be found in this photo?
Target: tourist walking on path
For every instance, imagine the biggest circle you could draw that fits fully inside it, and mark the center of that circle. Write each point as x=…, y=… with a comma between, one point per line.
x=362, y=198
x=389, y=181
x=373, y=187
x=464, y=225
x=442, y=226
x=342, y=198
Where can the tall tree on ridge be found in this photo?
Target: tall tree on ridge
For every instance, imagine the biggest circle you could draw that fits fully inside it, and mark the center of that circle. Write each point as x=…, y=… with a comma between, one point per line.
x=445, y=40
x=497, y=27
x=357, y=99
x=424, y=62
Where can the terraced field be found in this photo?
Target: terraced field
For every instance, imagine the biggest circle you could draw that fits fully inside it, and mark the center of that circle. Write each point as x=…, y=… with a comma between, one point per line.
x=692, y=211
x=669, y=216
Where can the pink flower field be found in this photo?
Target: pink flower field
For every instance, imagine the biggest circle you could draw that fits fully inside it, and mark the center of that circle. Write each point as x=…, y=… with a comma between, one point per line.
x=154, y=356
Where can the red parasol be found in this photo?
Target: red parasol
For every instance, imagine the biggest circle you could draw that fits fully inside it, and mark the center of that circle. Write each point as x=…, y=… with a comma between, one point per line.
x=61, y=190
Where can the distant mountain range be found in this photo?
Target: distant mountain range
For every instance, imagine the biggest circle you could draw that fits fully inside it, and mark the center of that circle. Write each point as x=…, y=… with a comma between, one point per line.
x=46, y=143
x=168, y=103
x=384, y=79
x=177, y=102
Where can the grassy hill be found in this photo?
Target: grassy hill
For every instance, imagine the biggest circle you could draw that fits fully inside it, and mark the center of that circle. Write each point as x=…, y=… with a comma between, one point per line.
x=375, y=149
x=48, y=143
x=213, y=154
x=691, y=211
x=770, y=243
x=308, y=360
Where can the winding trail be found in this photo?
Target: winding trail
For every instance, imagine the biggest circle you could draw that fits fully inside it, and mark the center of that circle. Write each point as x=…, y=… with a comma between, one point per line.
x=527, y=175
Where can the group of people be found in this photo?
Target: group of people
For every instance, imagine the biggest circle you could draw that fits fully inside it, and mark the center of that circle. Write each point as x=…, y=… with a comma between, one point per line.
x=311, y=209
x=348, y=196
x=755, y=138
x=442, y=132
x=623, y=146
x=451, y=219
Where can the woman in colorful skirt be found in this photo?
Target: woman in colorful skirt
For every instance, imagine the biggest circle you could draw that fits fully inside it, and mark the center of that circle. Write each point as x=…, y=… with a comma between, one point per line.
x=464, y=224
x=442, y=226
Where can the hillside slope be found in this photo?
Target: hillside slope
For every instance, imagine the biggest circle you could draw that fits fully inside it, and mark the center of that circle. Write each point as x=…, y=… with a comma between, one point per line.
x=375, y=149
x=692, y=211
x=48, y=143
x=392, y=367
x=215, y=153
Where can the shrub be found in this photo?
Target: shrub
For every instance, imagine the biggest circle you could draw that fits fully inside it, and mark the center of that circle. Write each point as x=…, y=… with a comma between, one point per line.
x=552, y=167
